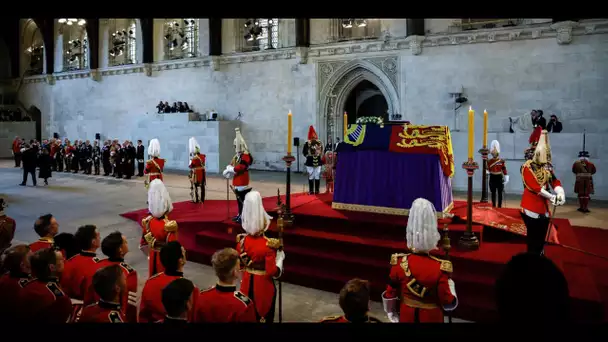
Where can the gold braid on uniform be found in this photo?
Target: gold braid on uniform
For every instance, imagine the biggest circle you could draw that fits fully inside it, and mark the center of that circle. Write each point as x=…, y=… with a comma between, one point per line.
x=542, y=175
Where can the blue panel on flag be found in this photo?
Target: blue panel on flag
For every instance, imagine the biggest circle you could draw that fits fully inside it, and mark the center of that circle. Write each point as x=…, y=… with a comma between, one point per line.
x=366, y=137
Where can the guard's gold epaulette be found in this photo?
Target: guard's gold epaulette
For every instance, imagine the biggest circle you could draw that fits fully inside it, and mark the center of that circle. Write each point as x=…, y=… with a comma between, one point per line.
x=446, y=265
x=395, y=257
x=170, y=226
x=331, y=318
x=146, y=220
x=273, y=243
x=242, y=298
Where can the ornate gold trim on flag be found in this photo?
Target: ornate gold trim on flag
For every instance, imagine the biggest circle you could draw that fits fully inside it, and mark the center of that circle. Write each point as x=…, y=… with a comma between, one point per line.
x=386, y=210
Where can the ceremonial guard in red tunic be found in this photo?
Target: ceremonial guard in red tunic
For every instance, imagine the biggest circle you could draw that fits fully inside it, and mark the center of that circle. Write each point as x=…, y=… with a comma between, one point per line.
x=538, y=178
x=158, y=230
x=329, y=160
x=583, y=187
x=420, y=287
x=69, y=155
x=7, y=228
x=154, y=166
x=497, y=169
x=238, y=170
x=222, y=303
x=109, y=283
x=151, y=309
x=261, y=258
x=115, y=247
x=313, y=152
x=198, y=176
x=41, y=298
x=15, y=269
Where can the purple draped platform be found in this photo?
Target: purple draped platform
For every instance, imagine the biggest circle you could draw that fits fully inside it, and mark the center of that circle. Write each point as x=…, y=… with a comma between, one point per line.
x=390, y=180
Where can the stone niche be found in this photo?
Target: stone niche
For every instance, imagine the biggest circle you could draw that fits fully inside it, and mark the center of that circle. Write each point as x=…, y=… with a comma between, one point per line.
x=9, y=130
x=173, y=130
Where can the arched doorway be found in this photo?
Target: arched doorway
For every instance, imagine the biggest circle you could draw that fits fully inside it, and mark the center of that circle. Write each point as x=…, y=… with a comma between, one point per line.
x=36, y=116
x=359, y=87
x=365, y=100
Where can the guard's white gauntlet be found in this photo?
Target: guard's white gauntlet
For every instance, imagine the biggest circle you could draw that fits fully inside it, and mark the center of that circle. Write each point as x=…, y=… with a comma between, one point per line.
x=452, y=306
x=391, y=307
x=560, y=196
x=546, y=194
x=506, y=180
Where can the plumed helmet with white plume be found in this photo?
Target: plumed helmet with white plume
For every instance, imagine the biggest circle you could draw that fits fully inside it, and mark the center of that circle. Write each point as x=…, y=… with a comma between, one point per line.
x=422, y=233
x=193, y=146
x=159, y=201
x=255, y=220
x=495, y=147
x=239, y=142
x=154, y=148
x=542, y=152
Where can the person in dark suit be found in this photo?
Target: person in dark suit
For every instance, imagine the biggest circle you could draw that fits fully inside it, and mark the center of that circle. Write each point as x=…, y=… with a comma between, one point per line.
x=554, y=125
x=140, y=159
x=44, y=162
x=30, y=159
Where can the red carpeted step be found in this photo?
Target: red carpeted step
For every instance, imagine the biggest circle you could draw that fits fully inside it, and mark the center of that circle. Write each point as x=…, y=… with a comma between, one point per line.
x=586, y=302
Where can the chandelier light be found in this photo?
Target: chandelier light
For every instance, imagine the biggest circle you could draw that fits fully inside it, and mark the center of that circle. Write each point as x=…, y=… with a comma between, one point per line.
x=72, y=21
x=349, y=23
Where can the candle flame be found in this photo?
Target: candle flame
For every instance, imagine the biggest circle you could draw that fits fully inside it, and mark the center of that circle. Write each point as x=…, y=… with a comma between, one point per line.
x=470, y=107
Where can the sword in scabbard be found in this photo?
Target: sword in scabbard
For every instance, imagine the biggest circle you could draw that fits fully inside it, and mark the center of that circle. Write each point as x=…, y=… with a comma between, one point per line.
x=227, y=198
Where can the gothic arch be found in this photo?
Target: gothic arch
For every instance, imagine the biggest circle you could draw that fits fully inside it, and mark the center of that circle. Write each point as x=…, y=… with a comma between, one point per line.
x=342, y=77
x=31, y=37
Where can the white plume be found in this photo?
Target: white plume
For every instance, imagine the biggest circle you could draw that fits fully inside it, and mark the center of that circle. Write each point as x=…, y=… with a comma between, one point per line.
x=159, y=201
x=254, y=218
x=154, y=148
x=422, y=233
x=193, y=145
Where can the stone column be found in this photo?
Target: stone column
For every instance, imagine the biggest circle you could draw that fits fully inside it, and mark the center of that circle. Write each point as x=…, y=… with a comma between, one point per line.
x=104, y=43
x=415, y=35
x=215, y=42
x=203, y=37
x=302, y=39
x=58, y=48
x=564, y=30
x=93, y=37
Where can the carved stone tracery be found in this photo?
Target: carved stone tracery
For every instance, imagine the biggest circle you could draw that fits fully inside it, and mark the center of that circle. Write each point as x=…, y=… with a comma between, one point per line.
x=336, y=79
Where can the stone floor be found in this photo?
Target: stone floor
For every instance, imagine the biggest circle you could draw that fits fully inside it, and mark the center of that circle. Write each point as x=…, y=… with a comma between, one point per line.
x=77, y=199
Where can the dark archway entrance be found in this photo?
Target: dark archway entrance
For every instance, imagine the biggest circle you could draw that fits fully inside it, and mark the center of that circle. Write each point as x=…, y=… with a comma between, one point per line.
x=366, y=100
x=36, y=116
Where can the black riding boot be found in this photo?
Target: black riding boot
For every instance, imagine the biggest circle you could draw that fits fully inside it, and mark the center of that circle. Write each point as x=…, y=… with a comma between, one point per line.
x=311, y=184
x=317, y=186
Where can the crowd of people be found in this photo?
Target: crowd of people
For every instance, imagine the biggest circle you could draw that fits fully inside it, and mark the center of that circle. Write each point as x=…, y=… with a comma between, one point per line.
x=61, y=278
x=177, y=107
x=118, y=160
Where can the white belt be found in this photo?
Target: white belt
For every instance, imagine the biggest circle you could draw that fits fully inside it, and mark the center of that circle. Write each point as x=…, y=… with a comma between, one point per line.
x=533, y=214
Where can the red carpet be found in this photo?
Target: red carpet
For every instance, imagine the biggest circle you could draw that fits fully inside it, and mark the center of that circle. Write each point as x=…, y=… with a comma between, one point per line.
x=327, y=247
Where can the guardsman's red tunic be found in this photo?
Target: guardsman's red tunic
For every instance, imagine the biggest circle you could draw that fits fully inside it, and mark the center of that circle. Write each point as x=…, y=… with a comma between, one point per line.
x=156, y=233
x=258, y=255
x=42, y=243
x=224, y=304
x=151, y=308
x=154, y=169
x=77, y=275
x=9, y=295
x=129, y=310
x=43, y=301
x=102, y=312
x=497, y=166
x=343, y=319
x=421, y=282
x=241, y=166
x=197, y=166
x=535, y=178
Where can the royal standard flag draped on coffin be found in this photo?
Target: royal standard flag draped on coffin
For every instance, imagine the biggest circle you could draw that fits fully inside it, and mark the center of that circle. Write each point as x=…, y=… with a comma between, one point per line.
x=402, y=139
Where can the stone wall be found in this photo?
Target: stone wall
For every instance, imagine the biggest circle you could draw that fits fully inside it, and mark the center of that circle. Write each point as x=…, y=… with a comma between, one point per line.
x=508, y=72
x=9, y=130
